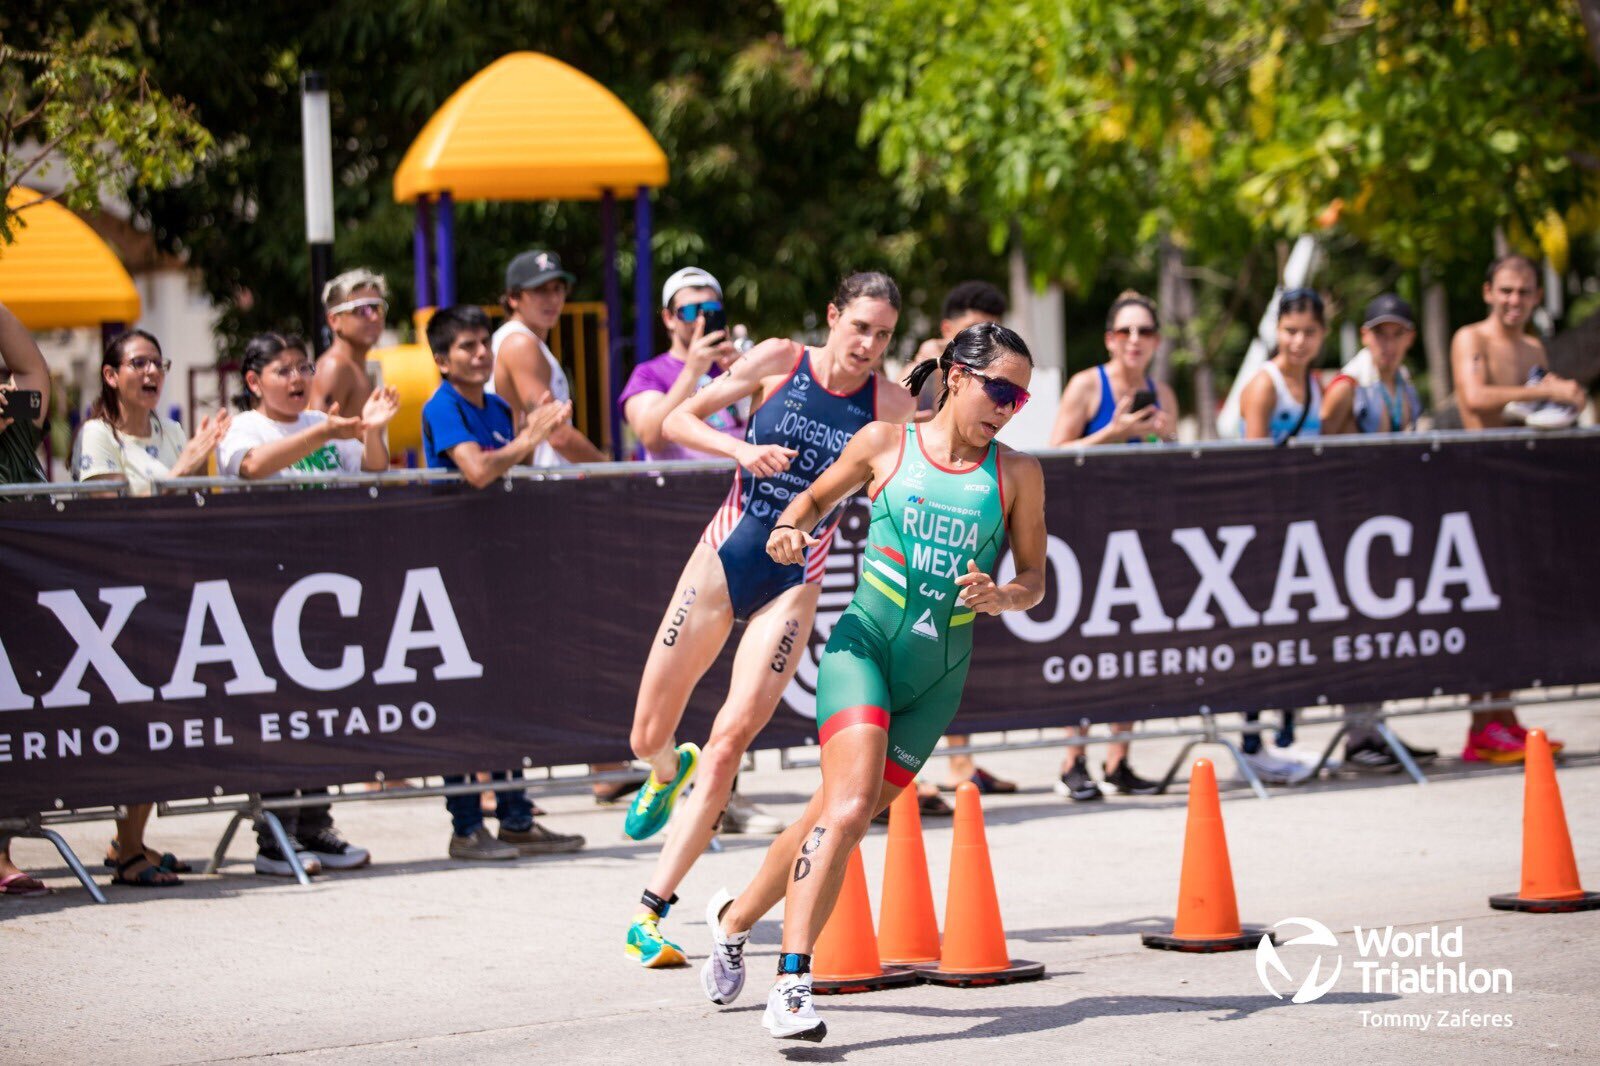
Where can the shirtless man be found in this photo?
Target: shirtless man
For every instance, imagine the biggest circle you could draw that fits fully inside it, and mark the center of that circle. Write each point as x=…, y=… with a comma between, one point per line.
x=1492, y=361
x=356, y=302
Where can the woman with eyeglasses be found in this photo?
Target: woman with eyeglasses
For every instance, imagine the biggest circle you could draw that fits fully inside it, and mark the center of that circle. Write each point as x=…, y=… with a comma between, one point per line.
x=277, y=435
x=1284, y=401
x=808, y=403
x=1117, y=402
x=126, y=439
x=946, y=496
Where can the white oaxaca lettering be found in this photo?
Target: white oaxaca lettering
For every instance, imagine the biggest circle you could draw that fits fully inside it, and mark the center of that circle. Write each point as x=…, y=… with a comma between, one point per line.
x=1302, y=545
x=1457, y=541
x=1216, y=577
x=214, y=600
x=1358, y=568
x=1125, y=554
x=287, y=642
x=425, y=587
x=94, y=647
x=1063, y=576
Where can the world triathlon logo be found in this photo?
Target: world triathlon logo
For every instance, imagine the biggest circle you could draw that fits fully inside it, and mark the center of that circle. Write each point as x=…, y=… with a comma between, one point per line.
x=1268, y=962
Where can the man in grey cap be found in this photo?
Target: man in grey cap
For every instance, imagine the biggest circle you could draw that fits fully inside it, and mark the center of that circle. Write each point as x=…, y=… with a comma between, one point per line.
x=526, y=373
x=1373, y=393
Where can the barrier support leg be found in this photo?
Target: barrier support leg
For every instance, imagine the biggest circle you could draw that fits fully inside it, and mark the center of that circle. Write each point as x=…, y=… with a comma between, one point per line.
x=221, y=851
x=285, y=848
x=1401, y=753
x=1327, y=752
x=1244, y=768
x=1177, y=764
x=71, y=859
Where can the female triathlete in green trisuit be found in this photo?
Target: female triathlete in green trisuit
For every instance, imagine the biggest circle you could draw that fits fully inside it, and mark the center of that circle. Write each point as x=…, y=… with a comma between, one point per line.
x=944, y=495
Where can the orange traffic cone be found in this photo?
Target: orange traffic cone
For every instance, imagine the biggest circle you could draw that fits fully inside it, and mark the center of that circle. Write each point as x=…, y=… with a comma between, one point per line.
x=908, y=930
x=1549, y=870
x=845, y=956
x=974, y=950
x=1208, y=915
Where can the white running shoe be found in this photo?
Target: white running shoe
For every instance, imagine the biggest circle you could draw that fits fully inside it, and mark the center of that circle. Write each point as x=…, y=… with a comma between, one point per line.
x=722, y=976
x=1307, y=759
x=790, y=1015
x=742, y=816
x=1551, y=415
x=1275, y=771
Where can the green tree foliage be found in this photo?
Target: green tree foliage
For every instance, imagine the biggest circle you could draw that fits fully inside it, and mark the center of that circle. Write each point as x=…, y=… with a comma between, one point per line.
x=768, y=188
x=80, y=102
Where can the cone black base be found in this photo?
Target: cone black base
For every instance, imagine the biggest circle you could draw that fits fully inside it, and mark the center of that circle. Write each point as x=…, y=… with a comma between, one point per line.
x=1019, y=970
x=1589, y=901
x=889, y=978
x=1249, y=936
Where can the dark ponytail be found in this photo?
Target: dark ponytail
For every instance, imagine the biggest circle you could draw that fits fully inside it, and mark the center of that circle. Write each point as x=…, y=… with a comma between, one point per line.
x=262, y=349
x=109, y=405
x=866, y=285
x=975, y=347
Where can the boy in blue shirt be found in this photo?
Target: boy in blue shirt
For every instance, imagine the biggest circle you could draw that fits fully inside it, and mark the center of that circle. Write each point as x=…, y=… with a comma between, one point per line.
x=466, y=429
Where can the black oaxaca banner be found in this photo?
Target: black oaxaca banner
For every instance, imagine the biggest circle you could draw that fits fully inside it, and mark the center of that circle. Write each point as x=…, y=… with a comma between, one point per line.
x=176, y=647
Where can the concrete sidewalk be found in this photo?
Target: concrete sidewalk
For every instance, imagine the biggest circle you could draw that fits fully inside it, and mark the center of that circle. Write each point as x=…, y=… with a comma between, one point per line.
x=421, y=959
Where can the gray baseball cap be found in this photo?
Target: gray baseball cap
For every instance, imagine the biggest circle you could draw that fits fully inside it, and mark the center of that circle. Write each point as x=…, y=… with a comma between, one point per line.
x=1388, y=308
x=532, y=269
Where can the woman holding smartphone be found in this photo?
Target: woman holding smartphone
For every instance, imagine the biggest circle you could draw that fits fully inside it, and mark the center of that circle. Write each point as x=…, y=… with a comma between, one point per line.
x=1116, y=402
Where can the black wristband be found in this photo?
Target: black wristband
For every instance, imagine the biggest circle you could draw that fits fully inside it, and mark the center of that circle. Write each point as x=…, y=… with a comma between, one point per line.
x=785, y=525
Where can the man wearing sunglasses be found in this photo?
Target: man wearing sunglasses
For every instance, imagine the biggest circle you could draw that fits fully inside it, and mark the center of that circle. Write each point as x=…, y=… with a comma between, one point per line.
x=699, y=353
x=357, y=302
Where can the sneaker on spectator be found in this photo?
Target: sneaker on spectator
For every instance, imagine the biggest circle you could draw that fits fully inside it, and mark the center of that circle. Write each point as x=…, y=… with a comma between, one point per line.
x=333, y=851
x=481, y=846
x=1077, y=784
x=537, y=840
x=1307, y=759
x=1127, y=783
x=1551, y=415
x=1496, y=743
x=1522, y=735
x=1372, y=757
x=271, y=863
x=1273, y=770
x=742, y=816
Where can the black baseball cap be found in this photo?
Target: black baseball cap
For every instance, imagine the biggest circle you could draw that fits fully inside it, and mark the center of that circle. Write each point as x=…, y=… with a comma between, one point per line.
x=1388, y=308
x=532, y=269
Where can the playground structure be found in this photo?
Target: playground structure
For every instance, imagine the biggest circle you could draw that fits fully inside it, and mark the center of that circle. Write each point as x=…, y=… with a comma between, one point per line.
x=59, y=274
x=529, y=127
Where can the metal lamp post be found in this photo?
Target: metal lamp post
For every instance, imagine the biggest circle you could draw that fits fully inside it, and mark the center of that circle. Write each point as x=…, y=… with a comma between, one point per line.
x=316, y=138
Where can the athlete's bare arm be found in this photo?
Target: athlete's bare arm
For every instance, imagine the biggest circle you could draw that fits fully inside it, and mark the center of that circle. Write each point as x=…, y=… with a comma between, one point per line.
x=1339, y=407
x=866, y=460
x=1023, y=478
x=768, y=363
x=1255, y=405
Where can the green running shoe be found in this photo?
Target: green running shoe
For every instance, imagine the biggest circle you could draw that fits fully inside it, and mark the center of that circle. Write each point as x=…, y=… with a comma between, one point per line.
x=653, y=805
x=653, y=950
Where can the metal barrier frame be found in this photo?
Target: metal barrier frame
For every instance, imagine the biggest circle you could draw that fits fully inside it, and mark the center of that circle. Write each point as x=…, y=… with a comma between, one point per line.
x=61, y=494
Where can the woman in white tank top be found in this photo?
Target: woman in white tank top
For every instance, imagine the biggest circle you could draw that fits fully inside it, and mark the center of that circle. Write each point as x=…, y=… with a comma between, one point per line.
x=1285, y=398
x=528, y=373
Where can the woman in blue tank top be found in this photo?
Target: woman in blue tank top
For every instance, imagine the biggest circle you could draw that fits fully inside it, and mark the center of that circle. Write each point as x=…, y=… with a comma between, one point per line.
x=806, y=405
x=1097, y=404
x=1097, y=408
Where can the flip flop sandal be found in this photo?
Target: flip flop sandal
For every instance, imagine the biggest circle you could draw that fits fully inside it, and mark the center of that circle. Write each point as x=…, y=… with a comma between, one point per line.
x=23, y=885
x=935, y=806
x=145, y=878
x=989, y=784
x=168, y=861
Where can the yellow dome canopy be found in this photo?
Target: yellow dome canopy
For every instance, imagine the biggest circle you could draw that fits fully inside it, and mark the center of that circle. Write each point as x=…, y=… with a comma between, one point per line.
x=529, y=127
x=58, y=274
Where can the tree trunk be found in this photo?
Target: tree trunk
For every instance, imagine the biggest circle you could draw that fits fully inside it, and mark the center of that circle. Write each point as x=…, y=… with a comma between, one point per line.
x=1436, y=338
